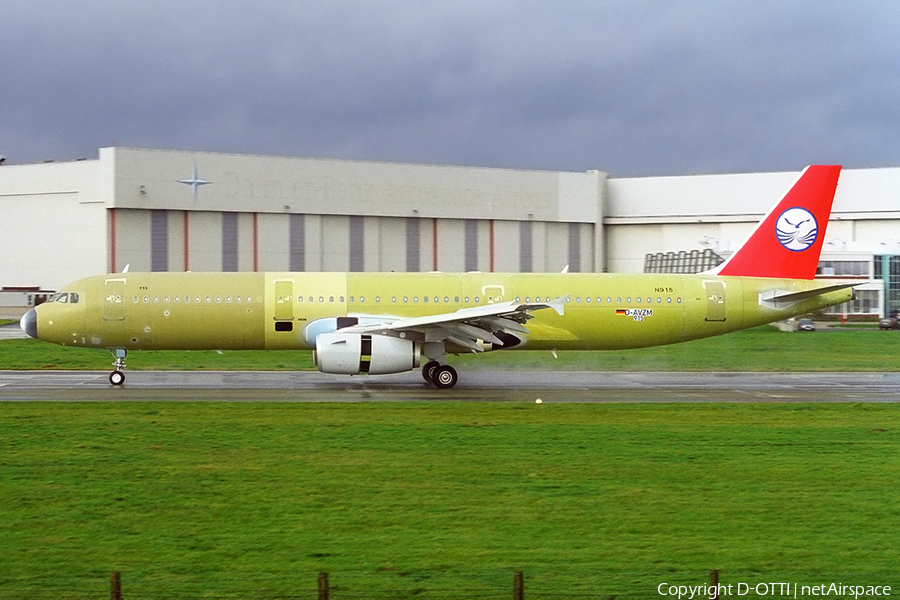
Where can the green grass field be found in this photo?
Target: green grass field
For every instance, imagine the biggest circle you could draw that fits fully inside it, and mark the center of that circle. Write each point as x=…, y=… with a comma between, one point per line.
x=443, y=500
x=761, y=349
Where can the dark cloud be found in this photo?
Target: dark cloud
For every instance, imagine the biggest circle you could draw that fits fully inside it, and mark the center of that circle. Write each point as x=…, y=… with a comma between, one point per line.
x=632, y=88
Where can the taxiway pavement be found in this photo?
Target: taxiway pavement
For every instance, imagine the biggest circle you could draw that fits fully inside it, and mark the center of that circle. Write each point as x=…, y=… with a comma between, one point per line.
x=474, y=385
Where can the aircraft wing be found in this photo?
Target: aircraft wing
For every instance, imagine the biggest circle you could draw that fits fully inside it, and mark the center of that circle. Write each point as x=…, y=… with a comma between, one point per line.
x=467, y=326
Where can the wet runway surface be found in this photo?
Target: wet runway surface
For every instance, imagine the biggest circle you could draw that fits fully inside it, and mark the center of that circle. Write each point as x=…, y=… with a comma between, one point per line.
x=475, y=385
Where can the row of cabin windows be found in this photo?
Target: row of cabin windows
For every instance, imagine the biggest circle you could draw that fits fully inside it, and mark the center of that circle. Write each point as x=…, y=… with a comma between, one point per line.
x=196, y=299
x=73, y=298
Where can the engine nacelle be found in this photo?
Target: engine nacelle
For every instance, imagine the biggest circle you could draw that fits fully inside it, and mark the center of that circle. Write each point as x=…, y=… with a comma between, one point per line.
x=331, y=324
x=352, y=353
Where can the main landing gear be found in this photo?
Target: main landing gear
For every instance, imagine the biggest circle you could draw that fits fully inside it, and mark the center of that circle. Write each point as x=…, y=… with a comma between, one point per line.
x=443, y=376
x=117, y=377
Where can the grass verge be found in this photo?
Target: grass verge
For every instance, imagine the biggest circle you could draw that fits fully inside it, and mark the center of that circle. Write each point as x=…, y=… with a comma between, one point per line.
x=760, y=349
x=444, y=499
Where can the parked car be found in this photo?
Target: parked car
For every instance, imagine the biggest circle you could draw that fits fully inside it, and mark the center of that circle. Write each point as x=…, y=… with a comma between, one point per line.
x=889, y=323
x=806, y=325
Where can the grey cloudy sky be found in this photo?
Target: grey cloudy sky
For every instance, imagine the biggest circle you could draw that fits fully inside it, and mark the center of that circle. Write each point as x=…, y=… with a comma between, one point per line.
x=631, y=87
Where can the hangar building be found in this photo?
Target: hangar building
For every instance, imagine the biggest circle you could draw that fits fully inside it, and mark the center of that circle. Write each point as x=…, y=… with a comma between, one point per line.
x=165, y=210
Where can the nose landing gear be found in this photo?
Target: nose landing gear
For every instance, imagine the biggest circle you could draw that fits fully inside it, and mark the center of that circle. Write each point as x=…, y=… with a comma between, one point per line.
x=117, y=377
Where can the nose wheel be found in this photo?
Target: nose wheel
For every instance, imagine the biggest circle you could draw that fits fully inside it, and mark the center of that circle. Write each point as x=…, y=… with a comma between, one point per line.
x=117, y=377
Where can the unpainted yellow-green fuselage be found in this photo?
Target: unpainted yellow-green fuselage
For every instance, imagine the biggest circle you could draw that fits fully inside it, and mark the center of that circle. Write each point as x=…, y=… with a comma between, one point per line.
x=252, y=310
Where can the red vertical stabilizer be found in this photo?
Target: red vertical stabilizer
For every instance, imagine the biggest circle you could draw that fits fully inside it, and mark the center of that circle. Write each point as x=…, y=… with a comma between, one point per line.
x=788, y=241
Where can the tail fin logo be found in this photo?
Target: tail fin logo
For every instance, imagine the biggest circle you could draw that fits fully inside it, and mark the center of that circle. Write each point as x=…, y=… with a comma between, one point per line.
x=796, y=229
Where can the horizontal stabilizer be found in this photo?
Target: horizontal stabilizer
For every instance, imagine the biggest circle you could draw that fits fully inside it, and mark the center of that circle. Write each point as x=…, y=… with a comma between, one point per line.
x=781, y=299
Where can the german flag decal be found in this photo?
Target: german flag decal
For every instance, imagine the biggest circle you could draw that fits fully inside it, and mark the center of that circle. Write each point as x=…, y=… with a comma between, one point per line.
x=639, y=314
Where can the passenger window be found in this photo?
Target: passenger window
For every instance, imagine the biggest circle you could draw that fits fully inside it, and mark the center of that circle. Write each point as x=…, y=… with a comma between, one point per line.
x=638, y=299
x=166, y=299
x=588, y=299
x=436, y=299
x=228, y=299
x=619, y=300
x=467, y=299
x=527, y=298
x=669, y=300
x=446, y=299
x=197, y=299
x=310, y=299
x=155, y=299
x=679, y=301
x=649, y=300
x=208, y=299
x=415, y=298
x=628, y=299
x=609, y=300
x=578, y=300
x=135, y=299
x=238, y=298
x=146, y=299
x=424, y=298
x=658, y=300
x=394, y=299
x=352, y=299
x=362, y=299
x=331, y=298
x=377, y=298
x=476, y=299
x=456, y=299
x=341, y=299
x=177, y=299
x=322, y=299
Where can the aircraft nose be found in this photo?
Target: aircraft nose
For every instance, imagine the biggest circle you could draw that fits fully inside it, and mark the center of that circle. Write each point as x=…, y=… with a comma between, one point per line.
x=29, y=323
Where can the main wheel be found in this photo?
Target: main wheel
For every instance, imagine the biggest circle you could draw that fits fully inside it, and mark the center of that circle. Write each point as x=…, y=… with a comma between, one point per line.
x=445, y=377
x=428, y=370
x=117, y=378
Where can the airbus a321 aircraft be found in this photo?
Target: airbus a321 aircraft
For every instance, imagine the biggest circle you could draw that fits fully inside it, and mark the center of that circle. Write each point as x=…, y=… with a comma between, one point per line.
x=380, y=323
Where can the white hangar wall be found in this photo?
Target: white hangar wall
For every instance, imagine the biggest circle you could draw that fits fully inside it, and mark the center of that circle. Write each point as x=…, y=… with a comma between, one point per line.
x=204, y=211
x=178, y=211
x=53, y=222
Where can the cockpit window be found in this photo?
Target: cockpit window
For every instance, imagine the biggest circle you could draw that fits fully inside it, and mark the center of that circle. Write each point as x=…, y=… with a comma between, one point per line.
x=62, y=297
x=73, y=298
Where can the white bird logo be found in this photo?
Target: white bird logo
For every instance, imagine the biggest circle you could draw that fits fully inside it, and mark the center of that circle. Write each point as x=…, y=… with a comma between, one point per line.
x=796, y=229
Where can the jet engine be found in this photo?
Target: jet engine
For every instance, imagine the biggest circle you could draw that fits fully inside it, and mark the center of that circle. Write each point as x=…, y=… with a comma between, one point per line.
x=352, y=353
